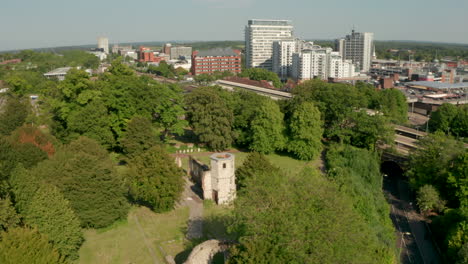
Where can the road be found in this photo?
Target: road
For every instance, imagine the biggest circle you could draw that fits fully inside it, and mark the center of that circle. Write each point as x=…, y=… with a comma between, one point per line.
x=413, y=238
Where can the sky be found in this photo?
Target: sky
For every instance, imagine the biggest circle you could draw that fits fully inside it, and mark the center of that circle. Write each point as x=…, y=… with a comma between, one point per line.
x=50, y=23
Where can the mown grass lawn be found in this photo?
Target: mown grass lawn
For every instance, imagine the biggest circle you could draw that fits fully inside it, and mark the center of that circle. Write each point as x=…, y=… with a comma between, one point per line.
x=142, y=238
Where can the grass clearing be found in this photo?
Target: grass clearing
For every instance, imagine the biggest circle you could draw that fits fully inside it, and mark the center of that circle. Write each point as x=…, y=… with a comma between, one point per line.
x=143, y=237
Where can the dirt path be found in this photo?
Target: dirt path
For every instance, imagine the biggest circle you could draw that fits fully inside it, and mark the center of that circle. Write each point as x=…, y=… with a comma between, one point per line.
x=195, y=204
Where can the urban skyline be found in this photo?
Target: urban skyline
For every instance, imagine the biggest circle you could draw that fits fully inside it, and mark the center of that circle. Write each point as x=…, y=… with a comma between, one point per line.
x=53, y=23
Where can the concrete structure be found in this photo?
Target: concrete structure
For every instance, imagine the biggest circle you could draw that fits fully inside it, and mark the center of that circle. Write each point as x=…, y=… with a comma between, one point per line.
x=320, y=63
x=218, y=183
x=103, y=43
x=167, y=49
x=58, y=73
x=282, y=57
x=177, y=53
x=209, y=61
x=357, y=47
x=259, y=37
x=98, y=53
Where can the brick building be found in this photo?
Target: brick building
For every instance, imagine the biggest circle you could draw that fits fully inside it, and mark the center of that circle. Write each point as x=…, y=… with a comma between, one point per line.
x=147, y=55
x=209, y=61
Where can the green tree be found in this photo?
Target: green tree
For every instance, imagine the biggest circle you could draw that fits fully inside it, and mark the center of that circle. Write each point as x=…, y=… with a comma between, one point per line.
x=8, y=216
x=268, y=131
x=258, y=74
x=170, y=111
x=299, y=219
x=85, y=175
x=357, y=173
x=8, y=158
x=211, y=117
x=255, y=163
x=155, y=180
x=394, y=106
x=428, y=199
x=450, y=119
x=51, y=214
x=14, y=115
x=91, y=120
x=335, y=101
x=364, y=131
x=432, y=162
x=305, y=131
x=139, y=137
x=27, y=246
x=245, y=109
x=457, y=179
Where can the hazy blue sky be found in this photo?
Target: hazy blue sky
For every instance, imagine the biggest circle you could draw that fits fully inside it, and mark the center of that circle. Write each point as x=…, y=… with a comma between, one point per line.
x=46, y=23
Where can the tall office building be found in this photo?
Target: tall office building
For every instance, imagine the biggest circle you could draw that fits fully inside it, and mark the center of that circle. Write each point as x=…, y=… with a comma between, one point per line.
x=103, y=43
x=357, y=47
x=259, y=37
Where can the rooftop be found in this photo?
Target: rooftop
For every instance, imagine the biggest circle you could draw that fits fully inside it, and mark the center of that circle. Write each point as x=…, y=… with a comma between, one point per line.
x=270, y=22
x=58, y=71
x=218, y=52
x=439, y=85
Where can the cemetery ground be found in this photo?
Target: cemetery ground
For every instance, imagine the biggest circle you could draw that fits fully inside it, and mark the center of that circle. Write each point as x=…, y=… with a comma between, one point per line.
x=148, y=237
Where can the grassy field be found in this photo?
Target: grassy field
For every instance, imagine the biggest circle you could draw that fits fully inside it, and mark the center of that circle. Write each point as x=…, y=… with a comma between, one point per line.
x=143, y=238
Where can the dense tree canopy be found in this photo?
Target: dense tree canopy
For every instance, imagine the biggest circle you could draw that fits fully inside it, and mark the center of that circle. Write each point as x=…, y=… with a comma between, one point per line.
x=300, y=219
x=357, y=173
x=139, y=137
x=211, y=117
x=450, y=119
x=8, y=216
x=85, y=174
x=305, y=131
x=394, y=106
x=13, y=114
x=255, y=163
x=50, y=213
x=259, y=74
x=268, y=130
x=27, y=246
x=154, y=179
x=433, y=163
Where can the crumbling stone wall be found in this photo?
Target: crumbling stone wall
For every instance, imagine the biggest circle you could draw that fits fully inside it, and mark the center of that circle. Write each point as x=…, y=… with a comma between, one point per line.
x=204, y=253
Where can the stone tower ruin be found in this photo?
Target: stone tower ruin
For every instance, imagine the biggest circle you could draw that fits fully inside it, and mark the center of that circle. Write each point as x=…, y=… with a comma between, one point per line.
x=218, y=183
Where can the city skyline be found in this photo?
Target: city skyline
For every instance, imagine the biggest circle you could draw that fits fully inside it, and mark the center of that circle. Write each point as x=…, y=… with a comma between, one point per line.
x=54, y=23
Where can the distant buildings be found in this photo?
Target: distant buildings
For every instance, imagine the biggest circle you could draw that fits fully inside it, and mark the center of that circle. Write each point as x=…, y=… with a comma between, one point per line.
x=58, y=73
x=103, y=43
x=270, y=45
x=99, y=52
x=167, y=48
x=357, y=47
x=177, y=53
x=318, y=62
x=148, y=55
x=209, y=61
x=259, y=37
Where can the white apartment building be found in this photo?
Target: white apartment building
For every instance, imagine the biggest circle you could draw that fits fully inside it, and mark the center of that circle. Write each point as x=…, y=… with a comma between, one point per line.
x=259, y=37
x=320, y=63
x=357, y=47
x=283, y=53
x=103, y=43
x=282, y=57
